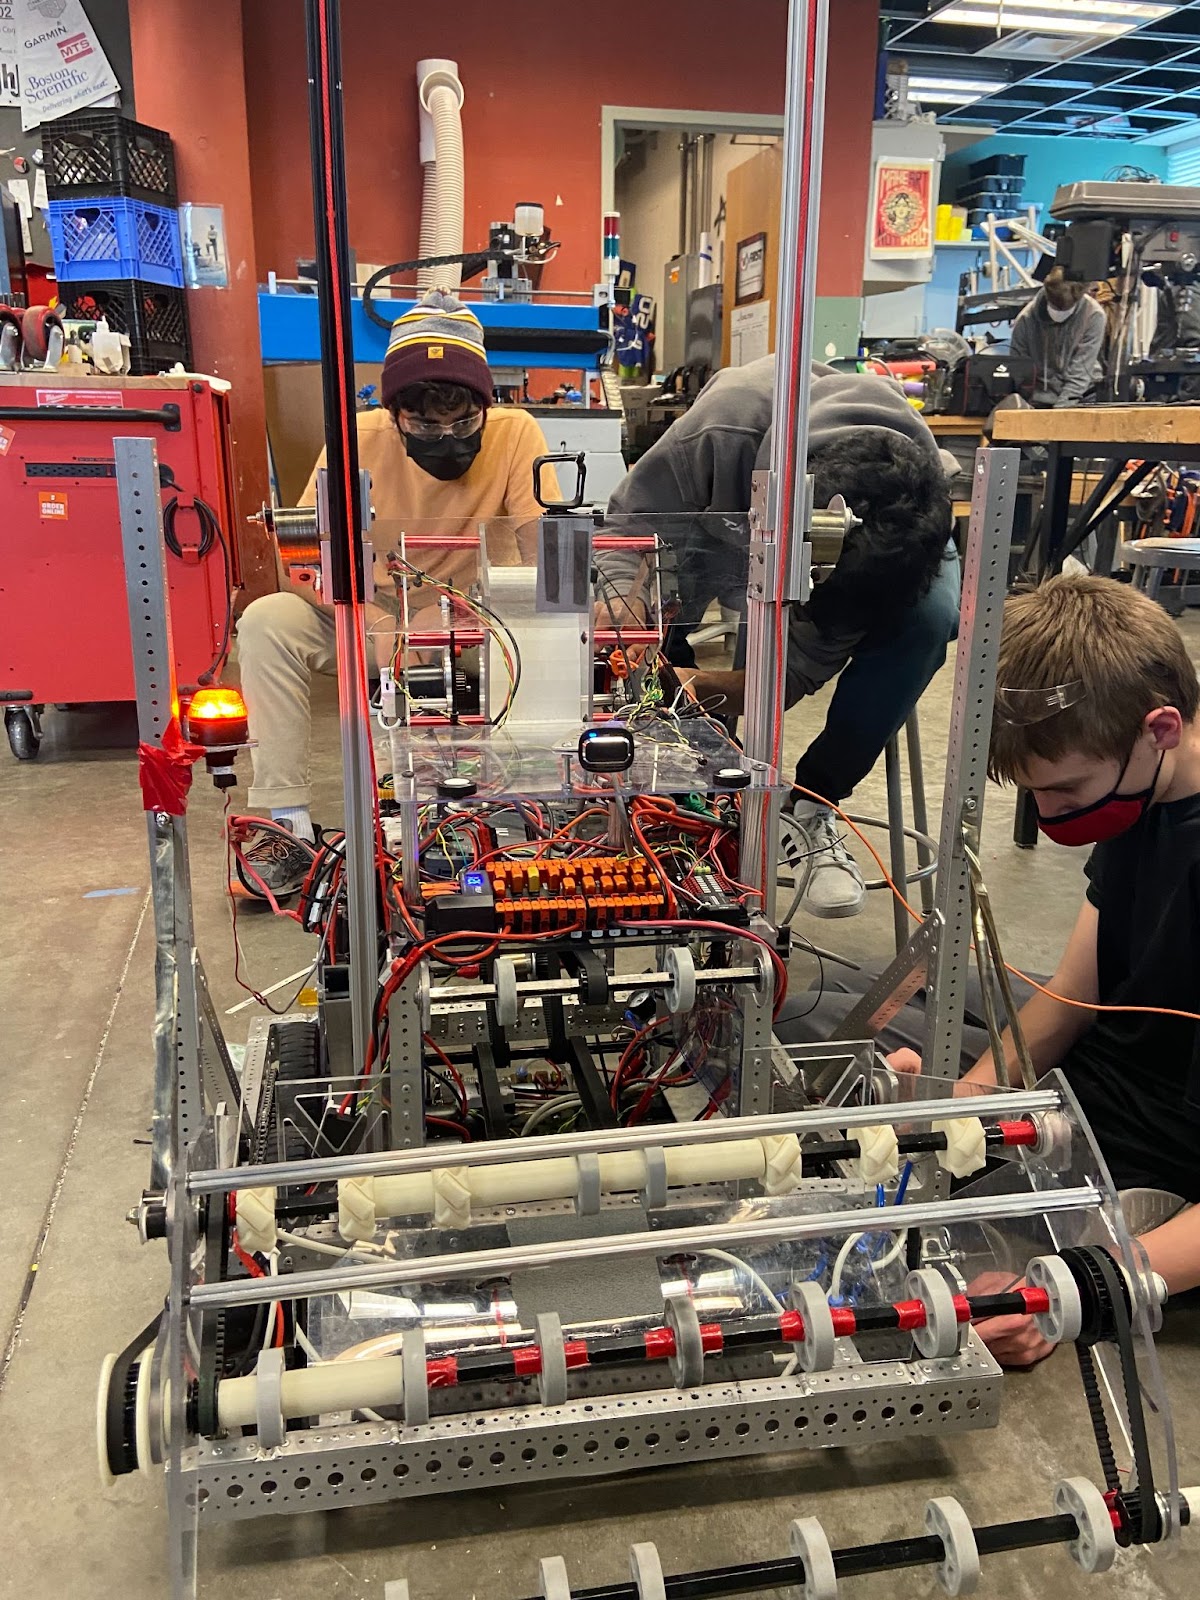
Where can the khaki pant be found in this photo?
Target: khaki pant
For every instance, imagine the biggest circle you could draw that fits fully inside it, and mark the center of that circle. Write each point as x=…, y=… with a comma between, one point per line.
x=282, y=640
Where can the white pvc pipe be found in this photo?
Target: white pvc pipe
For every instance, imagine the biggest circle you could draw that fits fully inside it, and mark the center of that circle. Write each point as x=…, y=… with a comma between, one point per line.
x=441, y=95
x=312, y=1391
x=522, y=1182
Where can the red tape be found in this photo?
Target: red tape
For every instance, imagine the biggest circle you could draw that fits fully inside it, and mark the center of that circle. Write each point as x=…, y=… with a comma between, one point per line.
x=576, y=1352
x=711, y=1338
x=844, y=1321
x=1016, y=1133
x=527, y=1360
x=659, y=1344
x=165, y=772
x=911, y=1314
x=442, y=1373
x=1036, y=1301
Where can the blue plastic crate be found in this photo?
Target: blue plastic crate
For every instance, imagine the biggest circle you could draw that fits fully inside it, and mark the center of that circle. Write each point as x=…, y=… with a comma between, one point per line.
x=105, y=237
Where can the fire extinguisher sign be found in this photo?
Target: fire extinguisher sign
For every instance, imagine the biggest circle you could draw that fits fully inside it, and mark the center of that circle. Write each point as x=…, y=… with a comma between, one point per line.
x=53, y=505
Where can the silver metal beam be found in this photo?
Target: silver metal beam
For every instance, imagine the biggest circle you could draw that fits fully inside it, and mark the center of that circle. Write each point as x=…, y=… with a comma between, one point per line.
x=393, y=1164
x=985, y=582
x=782, y=522
x=668, y=1241
x=178, y=1108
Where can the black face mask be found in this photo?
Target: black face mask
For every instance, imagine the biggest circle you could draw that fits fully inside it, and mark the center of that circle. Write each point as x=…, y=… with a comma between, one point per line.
x=445, y=458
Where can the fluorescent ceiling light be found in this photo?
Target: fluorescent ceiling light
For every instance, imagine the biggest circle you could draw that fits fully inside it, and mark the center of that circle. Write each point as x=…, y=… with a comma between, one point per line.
x=1105, y=18
x=966, y=85
x=1120, y=10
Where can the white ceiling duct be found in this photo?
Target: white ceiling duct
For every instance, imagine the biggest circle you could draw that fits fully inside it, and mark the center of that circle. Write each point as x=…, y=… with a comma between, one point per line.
x=441, y=95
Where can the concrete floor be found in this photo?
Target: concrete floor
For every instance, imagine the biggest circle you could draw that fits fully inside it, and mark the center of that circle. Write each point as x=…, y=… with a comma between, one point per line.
x=76, y=997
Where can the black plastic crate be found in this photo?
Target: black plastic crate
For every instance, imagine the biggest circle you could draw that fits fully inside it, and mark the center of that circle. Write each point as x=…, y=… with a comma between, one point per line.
x=153, y=315
x=978, y=191
x=102, y=153
x=998, y=166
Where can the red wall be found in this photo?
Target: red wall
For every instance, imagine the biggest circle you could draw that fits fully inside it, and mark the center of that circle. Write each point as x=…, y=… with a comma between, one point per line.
x=535, y=82
x=189, y=81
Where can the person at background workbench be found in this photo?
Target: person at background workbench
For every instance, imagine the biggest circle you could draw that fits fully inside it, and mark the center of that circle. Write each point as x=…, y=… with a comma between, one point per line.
x=882, y=619
x=435, y=450
x=1062, y=329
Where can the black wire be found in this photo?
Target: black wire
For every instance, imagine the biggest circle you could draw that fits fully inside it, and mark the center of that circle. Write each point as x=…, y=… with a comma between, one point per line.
x=427, y=577
x=812, y=950
x=210, y=533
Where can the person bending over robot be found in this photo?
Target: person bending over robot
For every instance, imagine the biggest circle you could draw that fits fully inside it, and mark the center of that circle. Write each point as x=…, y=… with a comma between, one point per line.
x=435, y=450
x=1096, y=714
x=882, y=619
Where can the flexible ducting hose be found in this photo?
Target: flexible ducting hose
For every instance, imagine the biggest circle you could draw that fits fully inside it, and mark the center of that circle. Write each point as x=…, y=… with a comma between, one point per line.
x=441, y=96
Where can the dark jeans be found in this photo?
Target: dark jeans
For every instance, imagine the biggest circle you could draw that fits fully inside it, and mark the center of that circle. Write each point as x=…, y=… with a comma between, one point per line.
x=876, y=689
x=802, y=1022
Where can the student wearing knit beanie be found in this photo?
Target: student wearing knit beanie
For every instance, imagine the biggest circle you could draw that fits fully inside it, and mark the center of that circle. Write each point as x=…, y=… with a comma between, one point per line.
x=440, y=456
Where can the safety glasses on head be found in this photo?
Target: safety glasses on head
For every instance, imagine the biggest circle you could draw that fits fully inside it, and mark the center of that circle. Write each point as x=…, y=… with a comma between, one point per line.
x=1020, y=708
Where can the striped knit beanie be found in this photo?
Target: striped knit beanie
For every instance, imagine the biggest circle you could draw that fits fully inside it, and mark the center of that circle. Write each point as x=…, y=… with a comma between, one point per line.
x=438, y=341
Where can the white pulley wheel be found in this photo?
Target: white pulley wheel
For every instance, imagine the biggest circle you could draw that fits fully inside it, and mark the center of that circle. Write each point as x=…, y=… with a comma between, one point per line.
x=415, y=1376
x=958, y=1570
x=808, y=1541
x=647, y=1573
x=106, y=1371
x=687, y=1364
x=680, y=993
x=816, y=1348
x=552, y=1571
x=508, y=1003
x=1095, y=1549
x=939, y=1336
x=1062, y=1322
x=552, y=1379
x=141, y=1415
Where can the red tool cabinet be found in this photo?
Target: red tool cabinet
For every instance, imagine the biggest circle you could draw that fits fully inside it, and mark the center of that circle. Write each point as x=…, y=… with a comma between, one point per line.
x=64, y=619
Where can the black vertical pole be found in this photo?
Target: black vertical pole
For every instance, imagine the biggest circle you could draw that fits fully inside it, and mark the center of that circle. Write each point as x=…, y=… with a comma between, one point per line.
x=343, y=506
x=328, y=154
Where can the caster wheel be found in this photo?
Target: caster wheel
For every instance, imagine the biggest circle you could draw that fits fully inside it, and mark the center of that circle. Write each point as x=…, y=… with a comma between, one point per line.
x=42, y=336
x=10, y=339
x=24, y=728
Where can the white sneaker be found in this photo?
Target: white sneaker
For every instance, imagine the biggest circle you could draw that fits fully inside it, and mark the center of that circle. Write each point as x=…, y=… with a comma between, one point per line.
x=835, y=886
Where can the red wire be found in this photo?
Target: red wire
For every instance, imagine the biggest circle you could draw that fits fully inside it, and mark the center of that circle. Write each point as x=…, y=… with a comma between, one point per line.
x=446, y=1122
x=455, y=1075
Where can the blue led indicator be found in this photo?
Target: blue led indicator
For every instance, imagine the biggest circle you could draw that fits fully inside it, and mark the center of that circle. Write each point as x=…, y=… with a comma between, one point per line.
x=474, y=880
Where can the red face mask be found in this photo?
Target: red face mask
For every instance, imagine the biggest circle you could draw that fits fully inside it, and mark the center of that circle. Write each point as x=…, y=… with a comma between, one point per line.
x=1105, y=818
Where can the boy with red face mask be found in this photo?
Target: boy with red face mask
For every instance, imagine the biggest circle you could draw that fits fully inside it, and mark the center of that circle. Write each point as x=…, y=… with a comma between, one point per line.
x=1096, y=709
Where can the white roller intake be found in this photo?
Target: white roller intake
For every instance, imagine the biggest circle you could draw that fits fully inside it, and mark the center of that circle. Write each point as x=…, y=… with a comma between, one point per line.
x=312, y=1391
x=774, y=1161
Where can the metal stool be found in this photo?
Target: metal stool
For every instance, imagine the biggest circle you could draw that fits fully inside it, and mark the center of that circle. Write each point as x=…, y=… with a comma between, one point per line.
x=898, y=832
x=1152, y=559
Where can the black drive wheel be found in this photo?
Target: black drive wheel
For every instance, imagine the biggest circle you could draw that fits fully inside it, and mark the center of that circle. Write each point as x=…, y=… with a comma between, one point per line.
x=24, y=728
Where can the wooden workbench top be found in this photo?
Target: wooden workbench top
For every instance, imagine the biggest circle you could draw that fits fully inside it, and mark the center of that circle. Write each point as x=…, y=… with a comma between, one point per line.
x=1133, y=425
x=956, y=427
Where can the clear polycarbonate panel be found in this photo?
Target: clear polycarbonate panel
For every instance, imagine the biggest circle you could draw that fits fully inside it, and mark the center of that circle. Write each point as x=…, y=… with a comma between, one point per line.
x=498, y=643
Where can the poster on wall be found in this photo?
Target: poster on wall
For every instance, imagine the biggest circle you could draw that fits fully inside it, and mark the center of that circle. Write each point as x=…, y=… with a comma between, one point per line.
x=749, y=333
x=902, y=209
x=60, y=61
x=205, y=258
x=751, y=268
x=10, y=78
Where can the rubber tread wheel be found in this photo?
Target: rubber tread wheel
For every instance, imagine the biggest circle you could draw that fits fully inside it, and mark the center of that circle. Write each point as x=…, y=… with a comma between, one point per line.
x=24, y=737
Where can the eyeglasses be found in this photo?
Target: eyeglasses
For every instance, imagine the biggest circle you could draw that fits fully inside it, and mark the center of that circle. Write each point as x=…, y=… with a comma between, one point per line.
x=422, y=428
x=1019, y=708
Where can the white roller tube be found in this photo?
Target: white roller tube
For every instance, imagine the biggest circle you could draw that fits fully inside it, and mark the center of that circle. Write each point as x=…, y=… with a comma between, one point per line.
x=522, y=1182
x=441, y=95
x=312, y=1391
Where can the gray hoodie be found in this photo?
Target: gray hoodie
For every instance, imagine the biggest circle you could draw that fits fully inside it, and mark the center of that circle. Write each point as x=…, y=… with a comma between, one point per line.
x=1067, y=353
x=697, y=478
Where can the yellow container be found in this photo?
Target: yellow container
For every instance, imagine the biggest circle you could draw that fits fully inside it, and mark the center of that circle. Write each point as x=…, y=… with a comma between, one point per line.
x=941, y=223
